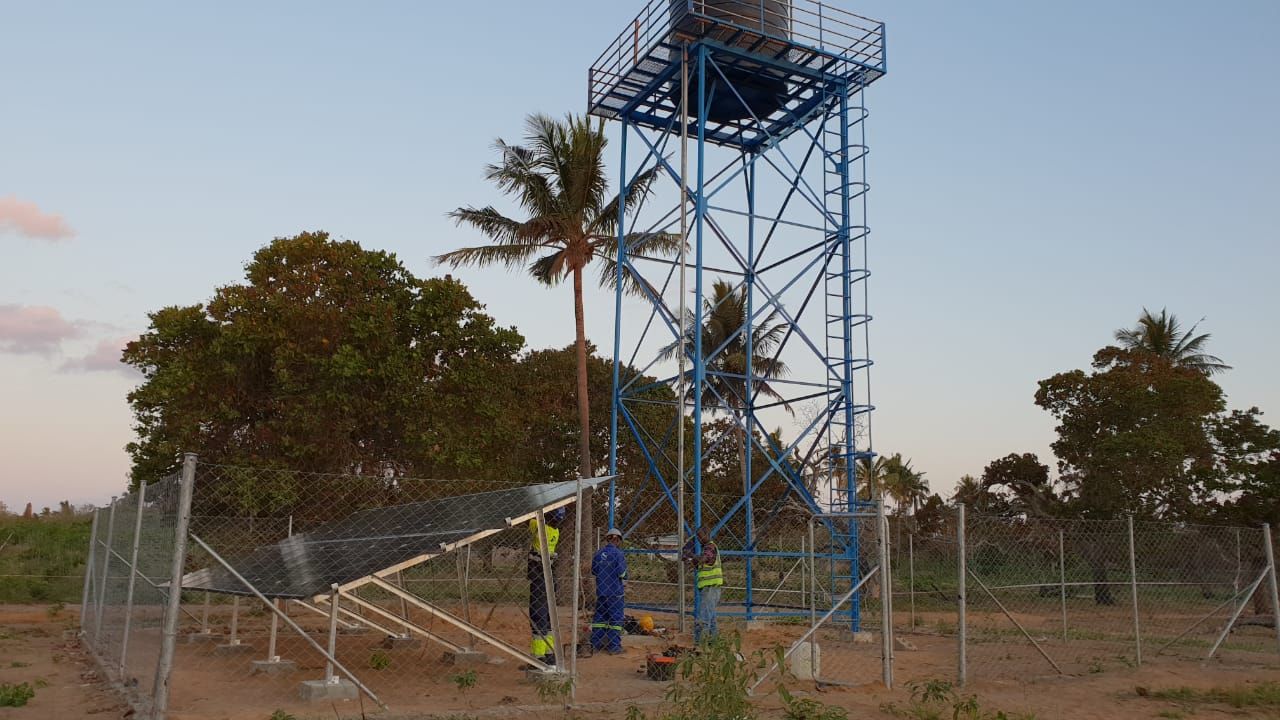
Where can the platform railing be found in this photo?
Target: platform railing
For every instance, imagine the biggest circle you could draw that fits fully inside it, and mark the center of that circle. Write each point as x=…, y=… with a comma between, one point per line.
x=828, y=30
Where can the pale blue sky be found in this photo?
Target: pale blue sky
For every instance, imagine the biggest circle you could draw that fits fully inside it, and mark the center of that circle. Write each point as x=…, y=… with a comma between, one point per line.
x=1040, y=171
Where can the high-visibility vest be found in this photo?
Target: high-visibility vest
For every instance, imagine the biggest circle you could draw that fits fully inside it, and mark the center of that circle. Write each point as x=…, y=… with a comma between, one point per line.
x=712, y=576
x=553, y=538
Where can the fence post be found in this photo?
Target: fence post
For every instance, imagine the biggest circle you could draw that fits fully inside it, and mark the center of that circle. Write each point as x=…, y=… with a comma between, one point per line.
x=89, y=578
x=1062, y=580
x=886, y=597
x=911, y=578
x=1133, y=588
x=961, y=612
x=164, y=666
x=330, y=677
x=813, y=595
x=133, y=575
x=577, y=589
x=106, y=575
x=1271, y=580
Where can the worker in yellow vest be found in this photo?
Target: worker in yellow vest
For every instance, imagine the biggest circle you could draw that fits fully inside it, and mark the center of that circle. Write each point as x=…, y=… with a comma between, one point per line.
x=704, y=558
x=543, y=646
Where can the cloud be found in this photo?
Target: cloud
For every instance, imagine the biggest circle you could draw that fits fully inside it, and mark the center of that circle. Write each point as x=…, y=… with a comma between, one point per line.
x=25, y=218
x=33, y=330
x=104, y=358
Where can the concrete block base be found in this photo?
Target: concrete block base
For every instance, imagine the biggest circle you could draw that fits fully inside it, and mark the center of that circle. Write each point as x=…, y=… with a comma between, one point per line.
x=401, y=642
x=900, y=643
x=806, y=661
x=536, y=676
x=465, y=658
x=321, y=691
x=274, y=667
x=202, y=638
x=235, y=648
x=863, y=637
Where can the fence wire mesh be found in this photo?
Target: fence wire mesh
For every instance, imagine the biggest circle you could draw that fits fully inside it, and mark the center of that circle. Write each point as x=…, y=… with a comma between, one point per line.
x=440, y=600
x=126, y=588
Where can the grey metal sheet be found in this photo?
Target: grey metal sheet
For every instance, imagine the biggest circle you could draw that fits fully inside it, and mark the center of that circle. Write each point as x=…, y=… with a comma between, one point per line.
x=371, y=541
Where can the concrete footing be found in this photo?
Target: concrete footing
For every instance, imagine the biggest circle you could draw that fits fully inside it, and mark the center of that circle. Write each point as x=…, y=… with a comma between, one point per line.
x=202, y=638
x=806, y=662
x=401, y=642
x=274, y=667
x=537, y=676
x=465, y=658
x=235, y=648
x=320, y=691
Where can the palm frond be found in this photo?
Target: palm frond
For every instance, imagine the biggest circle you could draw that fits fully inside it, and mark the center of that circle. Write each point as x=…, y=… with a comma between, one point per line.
x=509, y=256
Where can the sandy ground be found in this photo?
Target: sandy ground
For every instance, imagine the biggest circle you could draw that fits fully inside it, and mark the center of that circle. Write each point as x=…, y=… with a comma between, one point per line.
x=1009, y=675
x=33, y=650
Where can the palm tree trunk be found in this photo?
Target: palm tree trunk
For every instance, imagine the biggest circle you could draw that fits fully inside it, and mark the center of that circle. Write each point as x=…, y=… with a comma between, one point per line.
x=585, y=468
x=584, y=406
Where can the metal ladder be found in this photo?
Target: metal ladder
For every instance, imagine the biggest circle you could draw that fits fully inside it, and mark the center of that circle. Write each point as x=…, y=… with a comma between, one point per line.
x=845, y=275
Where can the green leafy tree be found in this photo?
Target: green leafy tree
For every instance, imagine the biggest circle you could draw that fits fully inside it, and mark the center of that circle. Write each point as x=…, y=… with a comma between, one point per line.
x=1020, y=485
x=1163, y=335
x=1134, y=434
x=327, y=358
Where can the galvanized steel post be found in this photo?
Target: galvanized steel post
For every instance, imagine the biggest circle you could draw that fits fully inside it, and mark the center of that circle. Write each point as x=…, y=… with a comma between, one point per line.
x=89, y=579
x=1133, y=587
x=104, y=581
x=133, y=575
x=1271, y=580
x=164, y=667
x=961, y=612
x=886, y=591
x=330, y=677
x=1062, y=581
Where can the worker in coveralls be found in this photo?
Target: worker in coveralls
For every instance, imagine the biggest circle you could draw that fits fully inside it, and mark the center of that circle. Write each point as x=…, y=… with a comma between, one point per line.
x=543, y=646
x=609, y=566
x=703, y=556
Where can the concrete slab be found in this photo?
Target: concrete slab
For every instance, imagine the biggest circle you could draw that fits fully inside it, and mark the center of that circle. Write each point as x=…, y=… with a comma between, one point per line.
x=274, y=667
x=900, y=643
x=235, y=648
x=321, y=691
x=202, y=638
x=862, y=637
x=465, y=658
x=536, y=676
x=401, y=642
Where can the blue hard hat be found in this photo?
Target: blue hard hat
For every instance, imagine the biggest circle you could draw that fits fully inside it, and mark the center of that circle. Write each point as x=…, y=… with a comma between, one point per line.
x=557, y=515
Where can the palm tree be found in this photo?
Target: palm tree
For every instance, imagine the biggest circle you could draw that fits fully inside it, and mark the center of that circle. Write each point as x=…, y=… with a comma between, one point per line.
x=971, y=493
x=871, y=471
x=724, y=323
x=904, y=484
x=1162, y=335
x=559, y=180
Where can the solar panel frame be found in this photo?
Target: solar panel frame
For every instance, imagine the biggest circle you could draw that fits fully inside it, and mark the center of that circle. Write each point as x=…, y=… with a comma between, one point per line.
x=380, y=541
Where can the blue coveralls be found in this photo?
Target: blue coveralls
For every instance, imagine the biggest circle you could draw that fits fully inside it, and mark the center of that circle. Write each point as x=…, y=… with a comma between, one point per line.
x=610, y=569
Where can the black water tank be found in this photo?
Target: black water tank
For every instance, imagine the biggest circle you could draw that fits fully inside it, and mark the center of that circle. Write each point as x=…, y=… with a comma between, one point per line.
x=761, y=95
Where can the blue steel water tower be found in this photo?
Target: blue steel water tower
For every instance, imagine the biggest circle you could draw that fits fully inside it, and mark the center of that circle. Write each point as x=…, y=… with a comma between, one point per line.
x=751, y=114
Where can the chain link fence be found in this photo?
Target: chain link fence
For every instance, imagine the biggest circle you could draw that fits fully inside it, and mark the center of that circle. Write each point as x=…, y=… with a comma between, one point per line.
x=999, y=598
x=377, y=591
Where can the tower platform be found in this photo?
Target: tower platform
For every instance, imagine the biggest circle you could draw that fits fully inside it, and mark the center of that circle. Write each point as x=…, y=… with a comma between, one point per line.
x=798, y=48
